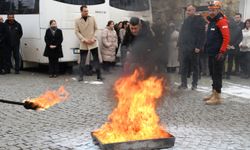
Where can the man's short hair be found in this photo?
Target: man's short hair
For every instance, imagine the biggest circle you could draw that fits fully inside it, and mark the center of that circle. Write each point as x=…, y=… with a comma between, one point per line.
x=83, y=6
x=10, y=13
x=236, y=14
x=192, y=5
x=135, y=21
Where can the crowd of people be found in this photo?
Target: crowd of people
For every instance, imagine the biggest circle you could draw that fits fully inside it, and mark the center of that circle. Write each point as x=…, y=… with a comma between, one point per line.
x=217, y=45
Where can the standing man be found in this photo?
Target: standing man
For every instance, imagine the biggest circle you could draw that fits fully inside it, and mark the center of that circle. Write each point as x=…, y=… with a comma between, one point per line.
x=241, y=25
x=15, y=33
x=85, y=29
x=233, y=48
x=218, y=38
x=191, y=41
x=238, y=20
x=3, y=37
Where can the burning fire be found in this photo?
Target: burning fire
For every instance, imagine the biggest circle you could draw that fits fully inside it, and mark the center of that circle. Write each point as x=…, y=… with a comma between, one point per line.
x=48, y=99
x=135, y=116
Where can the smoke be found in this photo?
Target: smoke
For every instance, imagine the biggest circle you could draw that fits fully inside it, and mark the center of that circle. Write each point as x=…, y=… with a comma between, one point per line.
x=151, y=48
x=168, y=16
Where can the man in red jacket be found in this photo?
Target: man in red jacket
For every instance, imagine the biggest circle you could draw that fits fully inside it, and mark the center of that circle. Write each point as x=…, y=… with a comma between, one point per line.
x=218, y=38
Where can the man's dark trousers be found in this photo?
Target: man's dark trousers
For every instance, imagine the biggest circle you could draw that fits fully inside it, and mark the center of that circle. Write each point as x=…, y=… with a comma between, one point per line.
x=189, y=58
x=216, y=69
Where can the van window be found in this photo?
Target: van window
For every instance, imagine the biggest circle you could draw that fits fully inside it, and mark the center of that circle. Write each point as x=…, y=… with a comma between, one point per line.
x=82, y=2
x=19, y=6
x=130, y=5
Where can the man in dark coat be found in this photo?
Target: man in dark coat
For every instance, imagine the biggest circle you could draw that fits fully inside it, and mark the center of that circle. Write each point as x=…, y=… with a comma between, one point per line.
x=191, y=41
x=15, y=33
x=3, y=37
x=53, y=50
x=241, y=25
x=137, y=45
x=233, y=47
x=238, y=20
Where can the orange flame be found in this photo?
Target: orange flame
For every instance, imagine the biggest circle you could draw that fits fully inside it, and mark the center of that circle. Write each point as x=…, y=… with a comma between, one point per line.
x=135, y=116
x=50, y=98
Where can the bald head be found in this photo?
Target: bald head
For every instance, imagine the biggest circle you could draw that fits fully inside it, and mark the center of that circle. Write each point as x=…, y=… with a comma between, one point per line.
x=1, y=19
x=190, y=10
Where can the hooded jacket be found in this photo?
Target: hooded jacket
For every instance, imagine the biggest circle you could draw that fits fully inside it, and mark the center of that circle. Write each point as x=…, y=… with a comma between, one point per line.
x=218, y=35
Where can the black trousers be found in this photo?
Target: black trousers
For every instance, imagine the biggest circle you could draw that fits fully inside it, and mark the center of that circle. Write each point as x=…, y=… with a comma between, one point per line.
x=14, y=50
x=204, y=63
x=230, y=61
x=189, y=63
x=3, y=63
x=107, y=65
x=8, y=59
x=83, y=57
x=245, y=63
x=237, y=61
x=216, y=69
x=53, y=66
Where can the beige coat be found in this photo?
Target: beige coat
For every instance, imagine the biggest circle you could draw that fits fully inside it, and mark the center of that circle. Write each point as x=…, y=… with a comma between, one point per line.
x=86, y=30
x=109, y=45
x=173, y=50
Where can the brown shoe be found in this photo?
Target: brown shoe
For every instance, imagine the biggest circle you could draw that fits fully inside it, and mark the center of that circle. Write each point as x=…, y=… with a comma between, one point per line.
x=215, y=100
x=210, y=96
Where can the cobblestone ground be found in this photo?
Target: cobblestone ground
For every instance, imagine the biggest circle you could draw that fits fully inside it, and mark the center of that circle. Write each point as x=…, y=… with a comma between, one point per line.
x=68, y=124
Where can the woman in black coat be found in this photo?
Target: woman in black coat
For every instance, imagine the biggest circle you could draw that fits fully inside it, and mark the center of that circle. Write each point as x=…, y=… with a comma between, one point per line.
x=53, y=39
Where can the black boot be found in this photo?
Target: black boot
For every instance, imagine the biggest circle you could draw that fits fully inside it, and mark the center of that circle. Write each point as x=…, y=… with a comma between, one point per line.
x=80, y=78
x=99, y=77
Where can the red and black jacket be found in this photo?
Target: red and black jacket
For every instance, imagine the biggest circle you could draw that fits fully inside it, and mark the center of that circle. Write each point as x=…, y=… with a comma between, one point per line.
x=218, y=35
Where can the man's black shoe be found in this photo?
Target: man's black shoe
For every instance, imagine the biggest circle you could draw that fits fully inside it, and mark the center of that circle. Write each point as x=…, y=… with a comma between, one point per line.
x=80, y=79
x=7, y=72
x=2, y=73
x=228, y=77
x=194, y=87
x=100, y=78
x=182, y=87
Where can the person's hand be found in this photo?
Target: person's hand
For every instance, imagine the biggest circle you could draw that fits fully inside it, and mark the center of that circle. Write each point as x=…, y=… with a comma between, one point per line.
x=92, y=41
x=220, y=57
x=89, y=42
x=197, y=50
x=86, y=42
x=244, y=46
x=230, y=47
x=52, y=46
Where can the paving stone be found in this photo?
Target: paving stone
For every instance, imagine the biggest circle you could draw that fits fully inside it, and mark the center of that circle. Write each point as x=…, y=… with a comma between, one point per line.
x=68, y=125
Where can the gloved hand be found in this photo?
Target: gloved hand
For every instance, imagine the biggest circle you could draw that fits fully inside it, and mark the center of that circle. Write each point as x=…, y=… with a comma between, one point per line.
x=220, y=57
